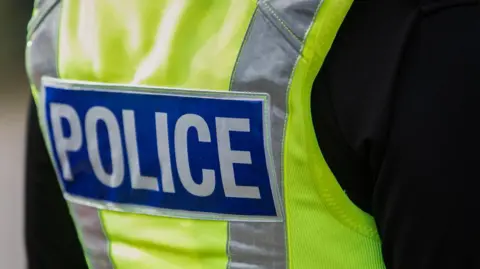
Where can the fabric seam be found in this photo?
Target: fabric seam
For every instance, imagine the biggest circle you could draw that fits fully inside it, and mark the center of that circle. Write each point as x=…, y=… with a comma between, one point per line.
x=270, y=10
x=39, y=18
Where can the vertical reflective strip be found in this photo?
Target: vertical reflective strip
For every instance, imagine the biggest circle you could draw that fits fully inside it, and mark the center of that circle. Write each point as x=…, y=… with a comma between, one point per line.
x=95, y=243
x=266, y=64
x=41, y=60
x=297, y=14
x=40, y=3
x=41, y=51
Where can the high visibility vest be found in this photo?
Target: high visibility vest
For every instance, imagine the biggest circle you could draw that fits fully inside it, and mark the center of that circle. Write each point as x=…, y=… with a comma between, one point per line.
x=243, y=183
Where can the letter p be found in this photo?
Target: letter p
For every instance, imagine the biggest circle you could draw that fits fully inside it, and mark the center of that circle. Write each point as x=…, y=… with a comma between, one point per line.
x=64, y=144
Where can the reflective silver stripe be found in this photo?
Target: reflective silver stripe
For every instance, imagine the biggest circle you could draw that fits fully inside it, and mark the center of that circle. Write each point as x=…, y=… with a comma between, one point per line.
x=40, y=3
x=41, y=54
x=42, y=8
x=266, y=63
x=95, y=242
x=296, y=14
x=41, y=58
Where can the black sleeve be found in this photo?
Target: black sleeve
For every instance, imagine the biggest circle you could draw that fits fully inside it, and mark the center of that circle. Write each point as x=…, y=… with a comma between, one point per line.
x=396, y=109
x=51, y=239
x=426, y=198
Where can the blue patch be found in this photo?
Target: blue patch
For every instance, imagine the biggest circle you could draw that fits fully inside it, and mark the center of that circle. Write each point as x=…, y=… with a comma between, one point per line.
x=184, y=153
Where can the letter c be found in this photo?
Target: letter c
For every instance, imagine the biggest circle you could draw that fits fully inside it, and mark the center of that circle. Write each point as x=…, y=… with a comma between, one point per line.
x=184, y=123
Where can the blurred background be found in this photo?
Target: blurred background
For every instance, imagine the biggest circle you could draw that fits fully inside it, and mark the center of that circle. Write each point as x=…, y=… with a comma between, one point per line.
x=14, y=98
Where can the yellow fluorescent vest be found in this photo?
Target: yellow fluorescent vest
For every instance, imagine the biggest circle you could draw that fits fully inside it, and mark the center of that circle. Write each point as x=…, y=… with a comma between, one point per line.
x=268, y=46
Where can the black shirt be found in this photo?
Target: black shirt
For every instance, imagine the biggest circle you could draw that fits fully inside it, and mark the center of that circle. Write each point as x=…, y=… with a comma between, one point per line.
x=395, y=107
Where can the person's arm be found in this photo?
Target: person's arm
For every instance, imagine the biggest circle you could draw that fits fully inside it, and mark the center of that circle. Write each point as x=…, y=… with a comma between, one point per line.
x=51, y=239
x=396, y=109
x=427, y=195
